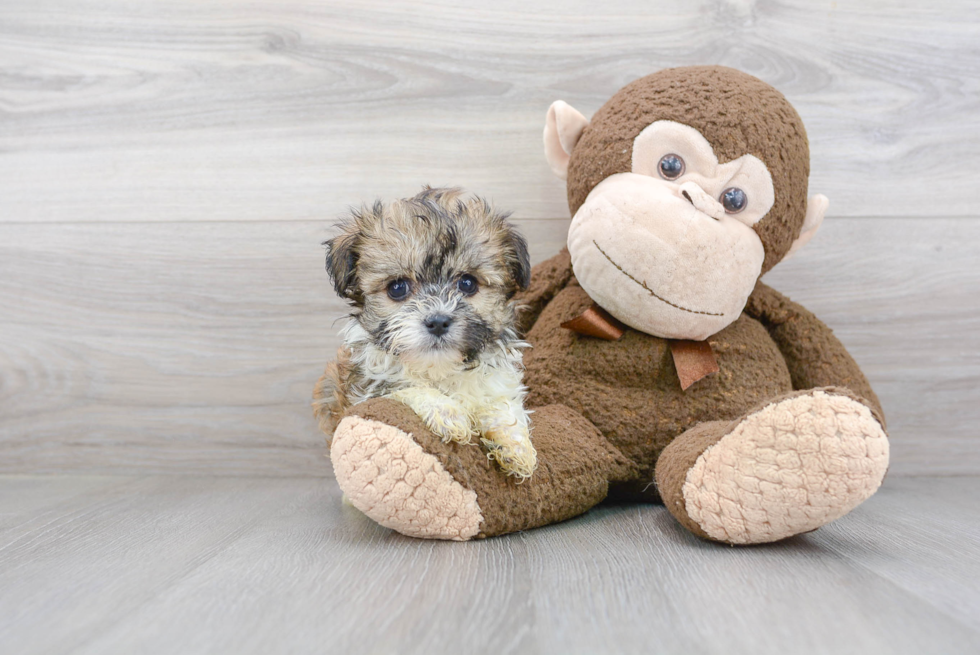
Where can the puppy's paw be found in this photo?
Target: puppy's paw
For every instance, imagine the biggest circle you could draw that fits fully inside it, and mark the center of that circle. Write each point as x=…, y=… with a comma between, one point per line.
x=449, y=421
x=441, y=414
x=513, y=451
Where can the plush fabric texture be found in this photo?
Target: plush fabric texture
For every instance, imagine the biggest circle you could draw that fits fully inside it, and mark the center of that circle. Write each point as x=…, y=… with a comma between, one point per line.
x=816, y=209
x=575, y=468
x=629, y=389
x=786, y=436
x=606, y=414
x=677, y=459
x=547, y=279
x=623, y=414
x=562, y=130
x=705, y=176
x=386, y=475
x=700, y=278
x=738, y=114
x=788, y=468
x=813, y=355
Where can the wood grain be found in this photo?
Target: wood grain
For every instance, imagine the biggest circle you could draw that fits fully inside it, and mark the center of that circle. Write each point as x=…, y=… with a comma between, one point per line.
x=167, y=173
x=179, y=111
x=258, y=565
x=917, y=550
x=193, y=347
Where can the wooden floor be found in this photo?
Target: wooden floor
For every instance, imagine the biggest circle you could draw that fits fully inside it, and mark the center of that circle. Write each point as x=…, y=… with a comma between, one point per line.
x=275, y=565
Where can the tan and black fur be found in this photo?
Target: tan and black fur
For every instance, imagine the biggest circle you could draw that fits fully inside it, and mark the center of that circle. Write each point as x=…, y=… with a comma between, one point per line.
x=464, y=382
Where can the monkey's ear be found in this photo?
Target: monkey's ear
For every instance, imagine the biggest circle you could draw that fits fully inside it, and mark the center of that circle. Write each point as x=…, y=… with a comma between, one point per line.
x=816, y=207
x=342, y=255
x=562, y=129
x=518, y=260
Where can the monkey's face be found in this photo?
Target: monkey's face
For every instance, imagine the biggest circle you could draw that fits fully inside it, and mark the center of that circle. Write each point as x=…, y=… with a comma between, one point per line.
x=668, y=248
x=684, y=187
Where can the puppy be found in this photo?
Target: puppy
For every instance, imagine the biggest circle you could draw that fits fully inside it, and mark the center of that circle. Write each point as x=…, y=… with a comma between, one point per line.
x=431, y=280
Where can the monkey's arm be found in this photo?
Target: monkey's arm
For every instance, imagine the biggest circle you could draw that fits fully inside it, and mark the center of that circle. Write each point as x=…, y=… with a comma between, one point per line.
x=330, y=399
x=815, y=357
x=547, y=279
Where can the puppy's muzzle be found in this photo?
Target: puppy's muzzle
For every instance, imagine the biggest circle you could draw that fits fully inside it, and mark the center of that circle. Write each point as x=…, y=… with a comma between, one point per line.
x=438, y=324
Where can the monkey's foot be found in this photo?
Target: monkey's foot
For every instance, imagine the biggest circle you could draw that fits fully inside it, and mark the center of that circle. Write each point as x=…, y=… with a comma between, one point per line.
x=397, y=472
x=787, y=468
x=386, y=474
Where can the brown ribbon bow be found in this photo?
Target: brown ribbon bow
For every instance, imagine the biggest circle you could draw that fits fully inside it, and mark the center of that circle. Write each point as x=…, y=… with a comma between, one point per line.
x=693, y=360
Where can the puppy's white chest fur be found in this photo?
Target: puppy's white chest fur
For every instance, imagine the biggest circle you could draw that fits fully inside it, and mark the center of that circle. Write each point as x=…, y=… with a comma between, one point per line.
x=457, y=400
x=497, y=372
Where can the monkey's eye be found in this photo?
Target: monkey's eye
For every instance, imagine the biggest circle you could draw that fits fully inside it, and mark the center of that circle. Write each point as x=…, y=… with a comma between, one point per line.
x=467, y=285
x=399, y=289
x=671, y=167
x=733, y=200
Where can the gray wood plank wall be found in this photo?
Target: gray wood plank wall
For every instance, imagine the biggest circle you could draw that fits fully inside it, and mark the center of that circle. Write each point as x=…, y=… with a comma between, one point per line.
x=168, y=171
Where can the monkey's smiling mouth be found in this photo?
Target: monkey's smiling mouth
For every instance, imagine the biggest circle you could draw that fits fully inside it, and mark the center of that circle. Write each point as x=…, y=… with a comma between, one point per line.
x=648, y=289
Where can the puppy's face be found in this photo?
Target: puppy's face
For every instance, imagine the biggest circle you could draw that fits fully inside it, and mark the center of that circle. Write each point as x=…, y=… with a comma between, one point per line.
x=431, y=277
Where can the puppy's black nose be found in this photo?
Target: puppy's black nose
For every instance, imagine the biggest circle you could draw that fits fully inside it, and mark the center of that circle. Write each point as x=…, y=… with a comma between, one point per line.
x=438, y=324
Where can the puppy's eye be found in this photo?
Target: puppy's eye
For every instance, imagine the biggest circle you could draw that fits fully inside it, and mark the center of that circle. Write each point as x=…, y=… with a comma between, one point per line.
x=671, y=167
x=398, y=289
x=468, y=285
x=734, y=200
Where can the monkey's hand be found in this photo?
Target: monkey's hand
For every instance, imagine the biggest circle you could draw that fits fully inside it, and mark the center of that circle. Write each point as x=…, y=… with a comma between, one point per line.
x=508, y=440
x=330, y=393
x=446, y=417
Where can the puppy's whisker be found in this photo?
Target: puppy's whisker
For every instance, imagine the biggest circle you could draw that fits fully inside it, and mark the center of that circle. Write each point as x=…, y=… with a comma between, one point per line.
x=341, y=318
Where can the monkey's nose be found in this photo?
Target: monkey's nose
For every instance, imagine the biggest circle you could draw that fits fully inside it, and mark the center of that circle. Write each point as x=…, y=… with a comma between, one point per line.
x=702, y=201
x=438, y=325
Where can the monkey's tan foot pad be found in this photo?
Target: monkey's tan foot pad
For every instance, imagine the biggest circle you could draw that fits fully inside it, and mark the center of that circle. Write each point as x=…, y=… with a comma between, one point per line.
x=787, y=468
x=388, y=476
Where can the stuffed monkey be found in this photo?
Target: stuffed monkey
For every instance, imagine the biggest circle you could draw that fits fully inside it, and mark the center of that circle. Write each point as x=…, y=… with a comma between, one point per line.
x=661, y=368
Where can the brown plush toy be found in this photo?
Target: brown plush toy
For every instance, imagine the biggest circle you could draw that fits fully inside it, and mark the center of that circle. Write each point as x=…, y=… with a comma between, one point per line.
x=661, y=369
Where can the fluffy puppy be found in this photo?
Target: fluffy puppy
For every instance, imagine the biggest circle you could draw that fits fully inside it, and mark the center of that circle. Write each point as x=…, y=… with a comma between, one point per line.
x=431, y=280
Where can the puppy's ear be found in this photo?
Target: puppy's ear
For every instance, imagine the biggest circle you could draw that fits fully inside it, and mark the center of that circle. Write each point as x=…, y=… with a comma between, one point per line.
x=517, y=258
x=342, y=255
